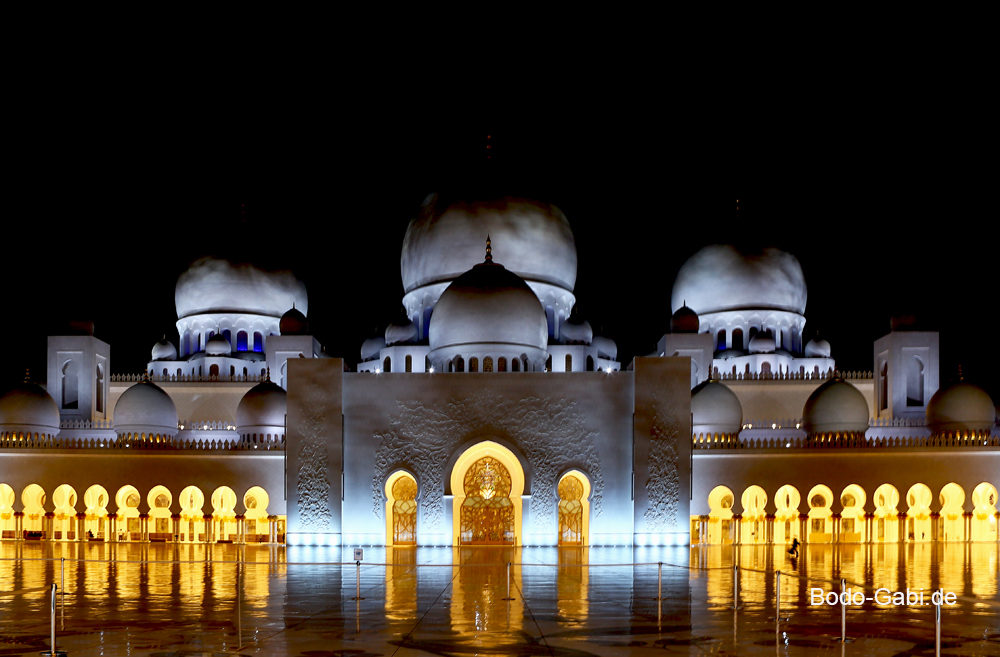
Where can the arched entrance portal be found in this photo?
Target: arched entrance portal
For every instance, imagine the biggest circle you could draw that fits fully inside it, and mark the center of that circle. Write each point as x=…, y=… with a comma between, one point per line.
x=574, y=509
x=401, y=509
x=487, y=483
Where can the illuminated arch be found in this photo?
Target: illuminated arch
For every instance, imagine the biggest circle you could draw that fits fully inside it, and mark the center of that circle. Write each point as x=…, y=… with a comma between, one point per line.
x=95, y=501
x=462, y=465
x=951, y=523
x=820, y=499
x=886, y=500
x=984, y=512
x=720, y=516
x=224, y=514
x=754, y=522
x=159, y=499
x=786, y=516
x=33, y=503
x=255, y=501
x=574, y=508
x=918, y=513
x=127, y=498
x=852, y=514
x=401, y=493
x=7, y=498
x=192, y=501
x=64, y=523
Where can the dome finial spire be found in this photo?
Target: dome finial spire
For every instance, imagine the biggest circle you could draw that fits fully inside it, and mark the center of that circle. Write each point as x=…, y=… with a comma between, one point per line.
x=489, y=249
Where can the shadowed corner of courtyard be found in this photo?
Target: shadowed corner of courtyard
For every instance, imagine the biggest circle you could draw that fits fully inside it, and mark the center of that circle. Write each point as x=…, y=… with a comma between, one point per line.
x=143, y=599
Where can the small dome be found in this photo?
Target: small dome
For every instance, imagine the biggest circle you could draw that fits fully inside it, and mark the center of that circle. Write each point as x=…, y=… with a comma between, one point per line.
x=164, y=350
x=961, y=407
x=263, y=406
x=762, y=343
x=715, y=409
x=402, y=333
x=684, y=320
x=576, y=331
x=28, y=408
x=145, y=408
x=488, y=305
x=293, y=322
x=218, y=345
x=835, y=406
x=372, y=348
x=729, y=353
x=817, y=348
x=606, y=347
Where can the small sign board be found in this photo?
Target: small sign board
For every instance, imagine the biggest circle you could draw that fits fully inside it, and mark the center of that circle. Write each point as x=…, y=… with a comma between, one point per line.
x=359, y=554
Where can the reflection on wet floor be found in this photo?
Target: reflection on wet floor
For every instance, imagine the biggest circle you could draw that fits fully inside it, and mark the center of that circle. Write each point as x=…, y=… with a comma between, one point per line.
x=143, y=599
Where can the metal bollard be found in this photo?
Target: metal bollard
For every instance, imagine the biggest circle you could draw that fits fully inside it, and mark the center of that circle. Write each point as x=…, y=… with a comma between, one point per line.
x=937, y=629
x=736, y=586
x=843, y=612
x=62, y=595
x=239, y=607
x=358, y=585
x=659, y=581
x=53, y=651
x=508, y=583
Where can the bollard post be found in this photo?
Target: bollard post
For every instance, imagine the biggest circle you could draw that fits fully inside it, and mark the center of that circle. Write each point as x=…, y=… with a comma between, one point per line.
x=358, y=584
x=62, y=594
x=843, y=612
x=53, y=633
x=736, y=586
x=239, y=607
x=937, y=629
x=508, y=583
x=659, y=581
x=777, y=596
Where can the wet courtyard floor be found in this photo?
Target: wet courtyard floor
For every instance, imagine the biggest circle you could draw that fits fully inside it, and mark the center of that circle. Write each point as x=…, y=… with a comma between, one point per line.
x=167, y=600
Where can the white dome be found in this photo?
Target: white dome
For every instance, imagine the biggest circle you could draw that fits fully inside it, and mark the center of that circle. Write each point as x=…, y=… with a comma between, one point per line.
x=262, y=407
x=761, y=344
x=606, y=347
x=817, y=348
x=28, y=408
x=218, y=345
x=401, y=333
x=145, y=408
x=715, y=409
x=488, y=305
x=164, y=350
x=213, y=285
x=961, y=407
x=372, y=347
x=835, y=406
x=293, y=322
x=576, y=332
x=533, y=240
x=720, y=278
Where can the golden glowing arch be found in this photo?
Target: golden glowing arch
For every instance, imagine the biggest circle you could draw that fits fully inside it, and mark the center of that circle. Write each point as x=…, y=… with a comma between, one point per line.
x=462, y=465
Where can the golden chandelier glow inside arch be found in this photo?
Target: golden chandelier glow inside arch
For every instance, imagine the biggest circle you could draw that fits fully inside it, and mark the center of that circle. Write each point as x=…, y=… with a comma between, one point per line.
x=487, y=478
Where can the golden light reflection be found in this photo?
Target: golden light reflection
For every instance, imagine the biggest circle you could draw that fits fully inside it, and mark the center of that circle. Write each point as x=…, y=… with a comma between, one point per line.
x=478, y=611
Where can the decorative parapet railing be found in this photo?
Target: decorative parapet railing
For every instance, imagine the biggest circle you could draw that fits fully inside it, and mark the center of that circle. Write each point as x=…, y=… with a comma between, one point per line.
x=849, y=442
x=187, y=378
x=788, y=376
x=86, y=424
x=787, y=423
x=897, y=422
x=204, y=425
x=259, y=443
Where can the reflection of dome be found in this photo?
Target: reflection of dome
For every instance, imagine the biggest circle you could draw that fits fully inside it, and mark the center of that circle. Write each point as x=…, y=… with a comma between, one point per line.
x=761, y=343
x=817, y=348
x=213, y=285
x=293, y=322
x=721, y=277
x=263, y=406
x=606, y=347
x=684, y=320
x=533, y=239
x=715, y=409
x=28, y=408
x=145, y=408
x=372, y=347
x=164, y=350
x=961, y=407
x=835, y=406
x=488, y=305
x=218, y=345
x=401, y=333
x=576, y=331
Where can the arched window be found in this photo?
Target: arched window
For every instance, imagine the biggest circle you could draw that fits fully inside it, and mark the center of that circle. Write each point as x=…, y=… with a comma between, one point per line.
x=258, y=342
x=473, y=364
x=185, y=344
x=753, y=332
x=387, y=365
x=515, y=365
x=883, y=386
x=408, y=363
x=569, y=362
x=427, y=364
x=765, y=367
x=213, y=370
x=488, y=364
x=738, y=338
x=70, y=384
x=722, y=340
x=232, y=370
x=548, y=363
x=914, y=382
x=590, y=363
x=502, y=364
x=99, y=389
x=241, y=341
x=227, y=334
x=524, y=364
x=459, y=364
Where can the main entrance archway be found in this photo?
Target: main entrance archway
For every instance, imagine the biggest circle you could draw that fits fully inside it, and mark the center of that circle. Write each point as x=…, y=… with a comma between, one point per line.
x=487, y=483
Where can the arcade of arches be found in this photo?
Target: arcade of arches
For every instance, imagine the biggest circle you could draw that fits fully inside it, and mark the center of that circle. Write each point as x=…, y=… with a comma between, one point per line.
x=887, y=517
x=106, y=517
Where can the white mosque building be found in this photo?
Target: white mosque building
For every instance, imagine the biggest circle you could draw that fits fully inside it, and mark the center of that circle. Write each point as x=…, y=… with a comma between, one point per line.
x=492, y=414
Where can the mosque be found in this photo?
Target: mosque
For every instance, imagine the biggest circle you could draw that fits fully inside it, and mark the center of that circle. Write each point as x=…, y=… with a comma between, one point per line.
x=491, y=413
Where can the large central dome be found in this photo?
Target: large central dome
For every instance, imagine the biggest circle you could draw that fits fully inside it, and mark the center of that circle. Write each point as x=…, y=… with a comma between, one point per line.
x=721, y=277
x=213, y=285
x=533, y=239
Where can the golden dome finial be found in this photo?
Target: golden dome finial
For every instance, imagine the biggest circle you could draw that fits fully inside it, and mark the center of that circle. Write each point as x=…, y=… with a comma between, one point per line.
x=489, y=249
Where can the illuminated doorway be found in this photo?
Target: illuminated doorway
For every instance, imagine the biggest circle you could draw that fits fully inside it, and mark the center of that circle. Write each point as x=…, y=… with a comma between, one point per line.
x=952, y=521
x=754, y=522
x=574, y=516
x=401, y=509
x=984, y=512
x=918, y=513
x=786, y=516
x=720, y=516
x=886, y=520
x=487, y=482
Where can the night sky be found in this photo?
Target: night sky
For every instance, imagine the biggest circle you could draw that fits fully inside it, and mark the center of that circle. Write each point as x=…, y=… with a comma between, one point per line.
x=886, y=205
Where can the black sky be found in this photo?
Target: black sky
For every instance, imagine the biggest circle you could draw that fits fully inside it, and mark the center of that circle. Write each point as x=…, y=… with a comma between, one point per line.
x=886, y=201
